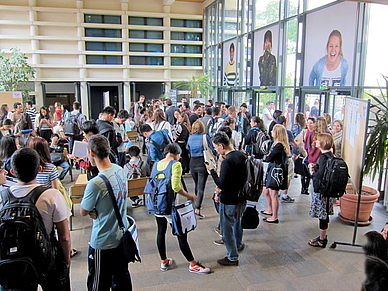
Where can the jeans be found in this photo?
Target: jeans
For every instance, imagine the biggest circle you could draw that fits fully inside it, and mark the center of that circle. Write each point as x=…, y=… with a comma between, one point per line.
x=65, y=168
x=232, y=232
x=199, y=174
x=108, y=270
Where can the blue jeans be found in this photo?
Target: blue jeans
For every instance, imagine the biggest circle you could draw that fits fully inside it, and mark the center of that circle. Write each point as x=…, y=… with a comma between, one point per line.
x=232, y=232
x=65, y=168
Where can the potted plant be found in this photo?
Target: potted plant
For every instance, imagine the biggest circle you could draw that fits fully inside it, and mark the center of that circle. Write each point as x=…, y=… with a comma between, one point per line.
x=375, y=156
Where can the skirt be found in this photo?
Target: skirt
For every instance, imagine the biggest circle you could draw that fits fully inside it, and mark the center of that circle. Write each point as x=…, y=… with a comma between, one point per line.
x=319, y=206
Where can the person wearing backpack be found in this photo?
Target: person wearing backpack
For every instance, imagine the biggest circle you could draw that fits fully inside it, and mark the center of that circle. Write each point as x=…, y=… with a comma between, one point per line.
x=255, y=139
x=321, y=207
x=231, y=207
x=134, y=169
x=156, y=142
x=52, y=211
x=107, y=267
x=171, y=167
x=73, y=123
x=196, y=145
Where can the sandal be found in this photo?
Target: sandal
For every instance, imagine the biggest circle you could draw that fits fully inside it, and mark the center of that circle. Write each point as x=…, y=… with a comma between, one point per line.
x=318, y=242
x=73, y=252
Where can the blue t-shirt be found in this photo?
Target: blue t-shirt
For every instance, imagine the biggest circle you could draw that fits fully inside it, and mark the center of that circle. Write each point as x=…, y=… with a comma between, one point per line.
x=106, y=233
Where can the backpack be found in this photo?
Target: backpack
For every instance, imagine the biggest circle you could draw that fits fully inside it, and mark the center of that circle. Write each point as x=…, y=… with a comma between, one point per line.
x=133, y=171
x=160, y=195
x=253, y=185
x=166, y=141
x=71, y=125
x=250, y=218
x=217, y=122
x=209, y=126
x=335, y=178
x=262, y=143
x=26, y=252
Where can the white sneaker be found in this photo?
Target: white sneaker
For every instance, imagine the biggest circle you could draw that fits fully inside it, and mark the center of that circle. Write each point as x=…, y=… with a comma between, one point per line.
x=199, y=269
x=164, y=266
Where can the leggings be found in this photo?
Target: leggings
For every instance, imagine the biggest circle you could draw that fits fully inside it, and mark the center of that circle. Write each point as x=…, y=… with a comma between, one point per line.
x=161, y=241
x=324, y=223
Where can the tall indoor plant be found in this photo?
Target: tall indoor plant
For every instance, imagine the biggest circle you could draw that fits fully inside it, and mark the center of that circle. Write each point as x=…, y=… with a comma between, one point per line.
x=375, y=157
x=197, y=83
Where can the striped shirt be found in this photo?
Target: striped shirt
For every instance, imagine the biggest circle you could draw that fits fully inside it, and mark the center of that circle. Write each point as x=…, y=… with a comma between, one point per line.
x=32, y=114
x=48, y=174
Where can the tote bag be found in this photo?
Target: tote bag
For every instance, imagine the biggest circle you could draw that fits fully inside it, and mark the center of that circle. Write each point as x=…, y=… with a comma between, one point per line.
x=207, y=153
x=183, y=218
x=276, y=177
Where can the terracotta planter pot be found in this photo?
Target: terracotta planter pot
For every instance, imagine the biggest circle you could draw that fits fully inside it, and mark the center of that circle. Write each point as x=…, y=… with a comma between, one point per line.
x=348, y=204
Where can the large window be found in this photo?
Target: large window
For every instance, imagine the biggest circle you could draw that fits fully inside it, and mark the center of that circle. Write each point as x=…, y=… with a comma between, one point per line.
x=190, y=49
x=178, y=61
x=151, y=21
x=103, y=32
x=146, y=34
x=191, y=36
x=103, y=46
x=146, y=60
x=95, y=18
x=104, y=60
x=186, y=23
x=146, y=47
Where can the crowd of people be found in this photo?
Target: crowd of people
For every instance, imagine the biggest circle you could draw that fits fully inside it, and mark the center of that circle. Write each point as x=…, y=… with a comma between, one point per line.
x=202, y=139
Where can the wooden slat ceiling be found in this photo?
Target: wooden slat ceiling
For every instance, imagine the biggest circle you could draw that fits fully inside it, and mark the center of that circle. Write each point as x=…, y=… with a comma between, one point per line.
x=198, y=1
x=367, y=1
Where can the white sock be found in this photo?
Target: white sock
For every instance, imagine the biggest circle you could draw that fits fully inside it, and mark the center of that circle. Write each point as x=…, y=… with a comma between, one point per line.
x=285, y=195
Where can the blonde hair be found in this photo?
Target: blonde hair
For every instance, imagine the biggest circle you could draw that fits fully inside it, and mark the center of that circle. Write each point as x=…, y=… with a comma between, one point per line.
x=320, y=127
x=198, y=127
x=282, y=137
x=326, y=140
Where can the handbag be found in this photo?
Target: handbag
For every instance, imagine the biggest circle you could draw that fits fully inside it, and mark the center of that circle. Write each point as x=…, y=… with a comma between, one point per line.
x=57, y=158
x=300, y=167
x=183, y=217
x=129, y=240
x=207, y=153
x=276, y=177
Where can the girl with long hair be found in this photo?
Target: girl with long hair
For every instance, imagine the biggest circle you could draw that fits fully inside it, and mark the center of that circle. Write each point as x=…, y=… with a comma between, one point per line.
x=3, y=113
x=48, y=177
x=44, y=124
x=7, y=147
x=160, y=122
x=58, y=111
x=278, y=154
x=182, y=133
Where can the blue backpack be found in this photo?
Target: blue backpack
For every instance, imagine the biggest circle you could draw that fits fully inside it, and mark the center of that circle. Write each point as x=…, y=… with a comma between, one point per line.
x=160, y=195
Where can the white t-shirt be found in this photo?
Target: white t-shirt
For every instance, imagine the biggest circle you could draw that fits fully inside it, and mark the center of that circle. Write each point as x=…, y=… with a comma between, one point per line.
x=266, y=120
x=331, y=78
x=51, y=205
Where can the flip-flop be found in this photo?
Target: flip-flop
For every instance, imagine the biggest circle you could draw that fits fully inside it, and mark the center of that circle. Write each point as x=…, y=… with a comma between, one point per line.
x=73, y=252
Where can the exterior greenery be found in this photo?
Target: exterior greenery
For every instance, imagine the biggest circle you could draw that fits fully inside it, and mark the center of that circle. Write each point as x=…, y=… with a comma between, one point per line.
x=377, y=143
x=199, y=83
x=15, y=72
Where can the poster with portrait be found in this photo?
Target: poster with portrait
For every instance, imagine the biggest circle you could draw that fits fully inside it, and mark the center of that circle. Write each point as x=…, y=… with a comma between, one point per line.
x=230, y=75
x=330, y=42
x=265, y=50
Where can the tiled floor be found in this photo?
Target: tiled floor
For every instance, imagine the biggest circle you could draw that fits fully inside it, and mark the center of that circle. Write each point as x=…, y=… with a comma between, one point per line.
x=276, y=257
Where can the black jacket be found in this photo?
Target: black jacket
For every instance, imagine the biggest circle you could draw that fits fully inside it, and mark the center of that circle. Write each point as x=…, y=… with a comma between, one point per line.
x=247, y=120
x=319, y=170
x=106, y=129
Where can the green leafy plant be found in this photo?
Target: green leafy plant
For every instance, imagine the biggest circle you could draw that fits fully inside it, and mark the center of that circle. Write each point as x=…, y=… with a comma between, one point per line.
x=377, y=143
x=15, y=72
x=197, y=83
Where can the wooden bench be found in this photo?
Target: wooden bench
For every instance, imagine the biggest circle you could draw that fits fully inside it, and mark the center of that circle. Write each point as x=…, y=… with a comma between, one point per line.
x=135, y=188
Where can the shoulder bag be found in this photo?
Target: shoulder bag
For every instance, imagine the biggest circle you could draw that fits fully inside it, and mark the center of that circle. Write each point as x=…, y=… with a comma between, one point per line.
x=207, y=153
x=129, y=240
x=276, y=177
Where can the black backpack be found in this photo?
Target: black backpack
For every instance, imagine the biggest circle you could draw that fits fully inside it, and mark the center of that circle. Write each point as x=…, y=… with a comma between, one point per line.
x=335, y=178
x=253, y=185
x=71, y=125
x=26, y=252
x=262, y=144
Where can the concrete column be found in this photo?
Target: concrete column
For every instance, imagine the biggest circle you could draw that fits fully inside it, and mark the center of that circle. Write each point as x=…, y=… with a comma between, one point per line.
x=84, y=99
x=127, y=96
x=33, y=15
x=79, y=4
x=38, y=95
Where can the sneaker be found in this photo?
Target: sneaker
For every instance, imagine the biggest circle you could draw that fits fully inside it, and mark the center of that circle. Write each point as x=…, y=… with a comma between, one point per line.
x=241, y=248
x=287, y=200
x=337, y=203
x=226, y=262
x=200, y=215
x=137, y=203
x=218, y=231
x=164, y=266
x=199, y=269
x=219, y=242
